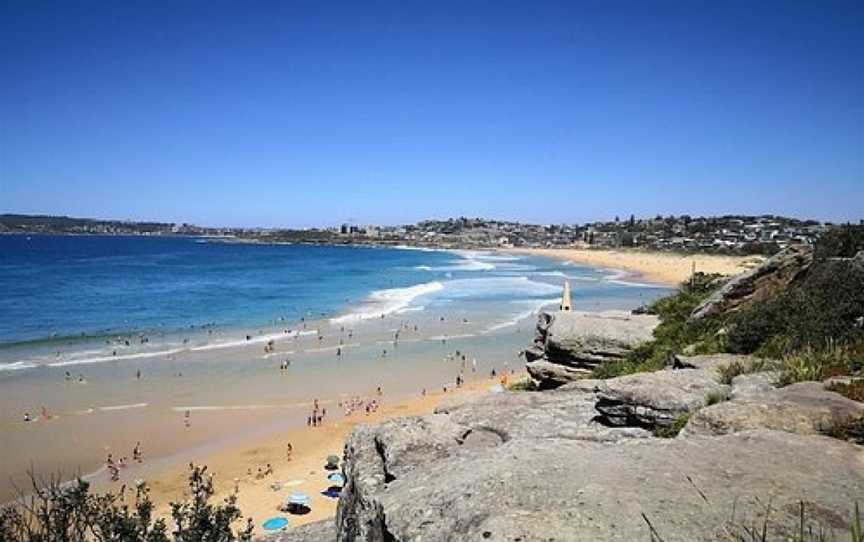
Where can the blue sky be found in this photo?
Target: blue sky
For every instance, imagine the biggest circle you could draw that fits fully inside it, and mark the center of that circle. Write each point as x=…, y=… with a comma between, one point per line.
x=301, y=113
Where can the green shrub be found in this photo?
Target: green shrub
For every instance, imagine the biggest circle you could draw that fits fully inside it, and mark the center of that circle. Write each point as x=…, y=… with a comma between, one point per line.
x=671, y=431
x=674, y=332
x=715, y=397
x=823, y=306
x=729, y=371
x=841, y=242
x=526, y=384
x=818, y=364
x=68, y=512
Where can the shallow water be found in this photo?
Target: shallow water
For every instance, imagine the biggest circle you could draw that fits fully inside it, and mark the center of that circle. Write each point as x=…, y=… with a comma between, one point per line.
x=239, y=297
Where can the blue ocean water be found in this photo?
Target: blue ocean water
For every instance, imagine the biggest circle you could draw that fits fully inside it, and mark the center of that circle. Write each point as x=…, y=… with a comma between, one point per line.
x=57, y=288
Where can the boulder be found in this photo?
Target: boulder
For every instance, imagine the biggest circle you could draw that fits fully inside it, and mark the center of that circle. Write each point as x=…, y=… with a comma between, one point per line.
x=754, y=385
x=569, y=345
x=758, y=283
x=652, y=400
x=806, y=408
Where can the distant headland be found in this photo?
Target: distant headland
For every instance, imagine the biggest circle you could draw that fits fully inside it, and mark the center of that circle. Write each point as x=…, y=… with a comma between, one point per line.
x=728, y=234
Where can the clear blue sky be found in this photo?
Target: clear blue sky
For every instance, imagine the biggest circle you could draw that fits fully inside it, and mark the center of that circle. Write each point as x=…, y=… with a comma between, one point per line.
x=298, y=113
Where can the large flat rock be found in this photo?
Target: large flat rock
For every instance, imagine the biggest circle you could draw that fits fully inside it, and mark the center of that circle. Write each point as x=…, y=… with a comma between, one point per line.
x=804, y=408
x=652, y=400
x=572, y=489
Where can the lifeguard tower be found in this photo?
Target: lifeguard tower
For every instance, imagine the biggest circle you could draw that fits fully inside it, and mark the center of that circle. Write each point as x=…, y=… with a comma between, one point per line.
x=566, y=303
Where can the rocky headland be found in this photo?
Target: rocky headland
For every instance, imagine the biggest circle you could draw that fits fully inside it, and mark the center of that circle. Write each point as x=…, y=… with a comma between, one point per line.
x=711, y=447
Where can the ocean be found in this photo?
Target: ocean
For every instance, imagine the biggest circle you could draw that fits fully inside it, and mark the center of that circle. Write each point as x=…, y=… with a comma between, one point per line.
x=71, y=294
x=119, y=338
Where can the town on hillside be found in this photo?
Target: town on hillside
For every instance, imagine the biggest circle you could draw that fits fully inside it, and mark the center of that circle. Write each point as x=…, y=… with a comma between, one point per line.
x=729, y=234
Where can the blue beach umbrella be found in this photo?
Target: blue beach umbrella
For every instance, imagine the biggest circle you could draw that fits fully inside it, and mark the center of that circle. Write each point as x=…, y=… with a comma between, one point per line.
x=336, y=477
x=275, y=523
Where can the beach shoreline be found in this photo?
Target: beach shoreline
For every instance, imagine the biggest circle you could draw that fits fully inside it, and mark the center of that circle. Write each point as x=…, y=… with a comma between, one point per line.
x=235, y=467
x=667, y=269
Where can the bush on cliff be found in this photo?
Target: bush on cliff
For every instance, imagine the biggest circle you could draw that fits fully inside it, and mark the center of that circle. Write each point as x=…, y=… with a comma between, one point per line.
x=841, y=242
x=822, y=308
x=69, y=512
x=815, y=326
x=674, y=332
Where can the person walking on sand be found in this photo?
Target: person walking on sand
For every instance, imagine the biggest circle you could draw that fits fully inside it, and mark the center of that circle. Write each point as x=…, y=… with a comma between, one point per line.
x=136, y=452
x=288, y=451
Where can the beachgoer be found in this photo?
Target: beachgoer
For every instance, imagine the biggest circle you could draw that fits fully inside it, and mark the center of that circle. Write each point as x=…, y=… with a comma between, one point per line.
x=27, y=417
x=136, y=452
x=288, y=451
x=138, y=374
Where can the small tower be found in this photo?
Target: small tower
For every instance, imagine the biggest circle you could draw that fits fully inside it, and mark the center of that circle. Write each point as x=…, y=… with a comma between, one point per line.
x=566, y=304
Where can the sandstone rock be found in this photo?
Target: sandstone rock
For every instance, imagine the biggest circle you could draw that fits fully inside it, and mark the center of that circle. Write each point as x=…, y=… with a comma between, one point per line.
x=538, y=415
x=714, y=362
x=805, y=408
x=759, y=283
x=569, y=345
x=319, y=531
x=651, y=400
x=556, y=488
x=754, y=385
x=552, y=375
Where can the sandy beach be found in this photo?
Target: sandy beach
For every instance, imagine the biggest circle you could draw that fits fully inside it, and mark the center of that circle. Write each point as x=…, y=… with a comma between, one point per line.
x=657, y=267
x=304, y=472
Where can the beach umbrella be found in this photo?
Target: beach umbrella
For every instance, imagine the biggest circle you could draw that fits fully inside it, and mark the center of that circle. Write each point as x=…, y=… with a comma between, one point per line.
x=298, y=498
x=336, y=477
x=275, y=523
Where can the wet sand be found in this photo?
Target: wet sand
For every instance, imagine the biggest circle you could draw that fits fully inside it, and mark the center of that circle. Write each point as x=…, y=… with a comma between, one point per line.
x=659, y=267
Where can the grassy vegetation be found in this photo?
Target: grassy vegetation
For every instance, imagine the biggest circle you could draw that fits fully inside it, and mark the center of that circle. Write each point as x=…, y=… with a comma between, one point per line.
x=736, y=368
x=526, y=384
x=672, y=431
x=806, y=529
x=674, y=333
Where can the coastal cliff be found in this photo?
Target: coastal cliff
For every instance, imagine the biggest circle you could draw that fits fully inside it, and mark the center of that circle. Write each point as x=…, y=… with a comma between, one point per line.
x=583, y=463
x=707, y=447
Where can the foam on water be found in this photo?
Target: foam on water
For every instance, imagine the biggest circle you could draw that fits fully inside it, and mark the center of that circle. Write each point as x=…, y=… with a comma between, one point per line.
x=536, y=306
x=384, y=302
